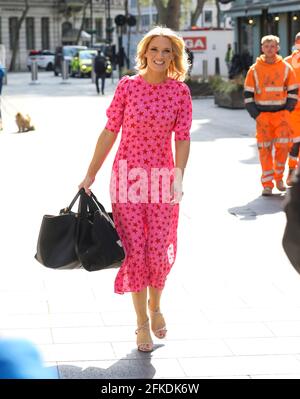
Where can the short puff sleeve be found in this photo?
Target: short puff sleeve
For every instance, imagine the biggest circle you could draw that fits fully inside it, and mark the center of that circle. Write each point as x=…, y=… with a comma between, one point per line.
x=184, y=114
x=115, y=111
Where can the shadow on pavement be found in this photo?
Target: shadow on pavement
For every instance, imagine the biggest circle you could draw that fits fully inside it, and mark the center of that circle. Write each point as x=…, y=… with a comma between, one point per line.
x=211, y=123
x=254, y=159
x=135, y=365
x=258, y=207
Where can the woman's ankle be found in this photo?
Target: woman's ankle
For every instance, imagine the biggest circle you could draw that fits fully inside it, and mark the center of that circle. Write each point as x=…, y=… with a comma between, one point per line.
x=153, y=307
x=141, y=320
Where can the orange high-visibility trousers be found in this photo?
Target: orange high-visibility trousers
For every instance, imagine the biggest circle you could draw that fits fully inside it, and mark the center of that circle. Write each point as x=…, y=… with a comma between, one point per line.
x=295, y=143
x=273, y=130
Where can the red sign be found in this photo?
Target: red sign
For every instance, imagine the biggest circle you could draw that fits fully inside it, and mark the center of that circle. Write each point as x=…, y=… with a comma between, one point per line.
x=195, y=43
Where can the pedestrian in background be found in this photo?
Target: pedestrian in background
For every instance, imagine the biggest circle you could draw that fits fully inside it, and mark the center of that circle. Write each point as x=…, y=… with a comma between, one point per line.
x=271, y=93
x=294, y=61
x=149, y=106
x=2, y=74
x=100, y=65
x=190, y=55
x=228, y=56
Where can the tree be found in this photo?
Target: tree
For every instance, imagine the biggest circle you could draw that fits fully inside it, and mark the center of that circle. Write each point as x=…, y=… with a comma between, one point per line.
x=218, y=14
x=16, y=37
x=168, y=13
x=84, y=8
x=197, y=12
x=139, y=16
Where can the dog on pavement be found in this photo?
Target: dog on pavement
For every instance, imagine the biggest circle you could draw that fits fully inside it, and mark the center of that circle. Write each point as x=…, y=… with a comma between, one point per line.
x=24, y=123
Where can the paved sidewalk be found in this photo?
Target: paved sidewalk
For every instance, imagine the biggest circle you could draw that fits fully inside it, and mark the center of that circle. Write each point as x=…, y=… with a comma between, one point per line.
x=232, y=300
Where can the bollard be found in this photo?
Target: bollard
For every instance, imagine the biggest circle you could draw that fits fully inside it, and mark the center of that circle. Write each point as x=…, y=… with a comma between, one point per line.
x=65, y=71
x=93, y=74
x=205, y=70
x=4, y=82
x=34, y=72
x=217, y=66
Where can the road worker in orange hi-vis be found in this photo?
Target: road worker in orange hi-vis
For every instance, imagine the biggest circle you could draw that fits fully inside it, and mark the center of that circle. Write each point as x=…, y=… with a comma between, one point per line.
x=294, y=61
x=271, y=93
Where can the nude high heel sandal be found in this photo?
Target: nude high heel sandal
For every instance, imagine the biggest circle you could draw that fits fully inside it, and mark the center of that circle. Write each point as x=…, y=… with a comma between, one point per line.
x=144, y=346
x=160, y=332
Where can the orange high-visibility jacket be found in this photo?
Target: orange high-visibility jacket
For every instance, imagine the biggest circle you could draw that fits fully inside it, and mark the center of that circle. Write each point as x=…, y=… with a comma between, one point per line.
x=270, y=87
x=294, y=61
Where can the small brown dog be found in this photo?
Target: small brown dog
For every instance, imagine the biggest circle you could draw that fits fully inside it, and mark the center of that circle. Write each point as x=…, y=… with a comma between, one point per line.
x=24, y=123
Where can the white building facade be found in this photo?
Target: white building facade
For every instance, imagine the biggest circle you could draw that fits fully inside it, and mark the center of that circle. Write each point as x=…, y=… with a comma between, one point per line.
x=51, y=23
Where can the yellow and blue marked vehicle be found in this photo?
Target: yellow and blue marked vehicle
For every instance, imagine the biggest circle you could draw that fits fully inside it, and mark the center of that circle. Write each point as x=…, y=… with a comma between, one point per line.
x=82, y=63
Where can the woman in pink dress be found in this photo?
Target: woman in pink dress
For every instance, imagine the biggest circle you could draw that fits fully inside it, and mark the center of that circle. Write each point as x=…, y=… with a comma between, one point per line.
x=146, y=183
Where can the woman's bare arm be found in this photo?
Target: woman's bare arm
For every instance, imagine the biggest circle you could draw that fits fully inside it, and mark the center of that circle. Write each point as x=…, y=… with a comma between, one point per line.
x=182, y=150
x=104, y=145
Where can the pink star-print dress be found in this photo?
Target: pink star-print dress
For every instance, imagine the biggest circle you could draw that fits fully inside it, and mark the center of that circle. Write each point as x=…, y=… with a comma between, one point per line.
x=147, y=225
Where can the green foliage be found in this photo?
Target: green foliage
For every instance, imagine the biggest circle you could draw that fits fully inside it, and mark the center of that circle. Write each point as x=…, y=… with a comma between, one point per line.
x=199, y=87
x=226, y=86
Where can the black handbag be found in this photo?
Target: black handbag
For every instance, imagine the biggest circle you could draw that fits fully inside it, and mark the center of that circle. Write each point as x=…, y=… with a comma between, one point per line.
x=98, y=244
x=85, y=239
x=57, y=238
x=291, y=236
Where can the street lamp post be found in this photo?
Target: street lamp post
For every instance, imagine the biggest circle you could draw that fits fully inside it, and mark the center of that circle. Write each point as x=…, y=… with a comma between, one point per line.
x=108, y=21
x=120, y=21
x=92, y=25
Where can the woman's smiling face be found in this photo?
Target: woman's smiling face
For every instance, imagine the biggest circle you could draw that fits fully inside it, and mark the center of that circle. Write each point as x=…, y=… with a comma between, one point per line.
x=159, y=54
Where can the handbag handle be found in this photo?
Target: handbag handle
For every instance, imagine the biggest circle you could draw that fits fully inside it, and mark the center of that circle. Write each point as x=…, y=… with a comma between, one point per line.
x=93, y=204
x=102, y=210
x=87, y=201
x=68, y=208
x=98, y=203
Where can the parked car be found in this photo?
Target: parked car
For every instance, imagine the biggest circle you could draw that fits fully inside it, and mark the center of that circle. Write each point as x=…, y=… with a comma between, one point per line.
x=44, y=58
x=82, y=63
x=65, y=53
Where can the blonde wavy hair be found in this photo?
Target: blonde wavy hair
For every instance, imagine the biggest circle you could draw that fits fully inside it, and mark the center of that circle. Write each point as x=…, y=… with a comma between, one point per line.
x=179, y=66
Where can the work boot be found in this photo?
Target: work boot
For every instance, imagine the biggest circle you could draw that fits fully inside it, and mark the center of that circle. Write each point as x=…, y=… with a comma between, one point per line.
x=289, y=180
x=267, y=191
x=280, y=185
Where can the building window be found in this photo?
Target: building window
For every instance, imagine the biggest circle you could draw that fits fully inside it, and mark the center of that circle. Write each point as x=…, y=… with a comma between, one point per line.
x=13, y=25
x=245, y=36
x=208, y=17
x=87, y=24
x=269, y=26
x=30, y=38
x=145, y=20
x=45, y=34
x=66, y=28
x=99, y=28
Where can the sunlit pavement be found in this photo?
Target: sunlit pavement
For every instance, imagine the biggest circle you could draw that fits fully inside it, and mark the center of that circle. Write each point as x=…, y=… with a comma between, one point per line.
x=232, y=300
